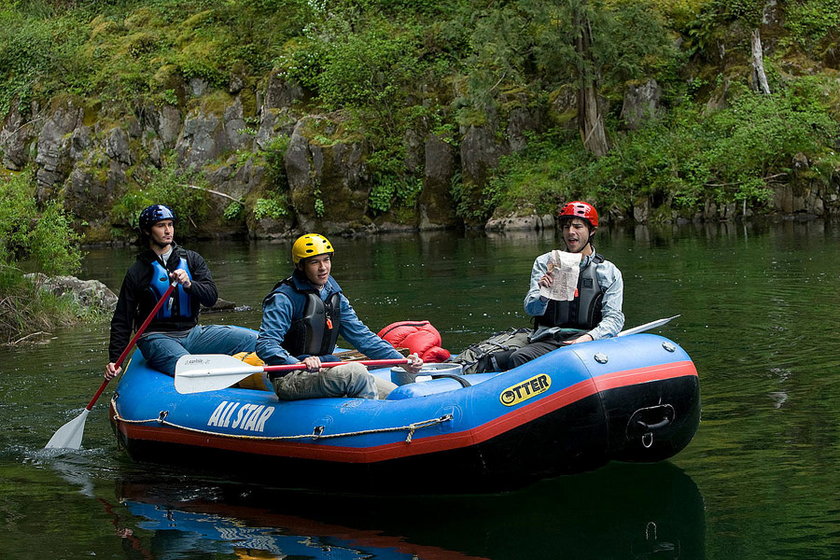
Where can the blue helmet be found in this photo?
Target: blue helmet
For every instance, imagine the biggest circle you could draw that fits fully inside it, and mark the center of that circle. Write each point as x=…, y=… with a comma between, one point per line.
x=154, y=214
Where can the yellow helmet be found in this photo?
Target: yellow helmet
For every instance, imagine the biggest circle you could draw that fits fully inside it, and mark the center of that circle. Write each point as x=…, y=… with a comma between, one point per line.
x=310, y=245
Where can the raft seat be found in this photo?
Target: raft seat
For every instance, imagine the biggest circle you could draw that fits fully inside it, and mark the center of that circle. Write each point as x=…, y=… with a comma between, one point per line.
x=435, y=386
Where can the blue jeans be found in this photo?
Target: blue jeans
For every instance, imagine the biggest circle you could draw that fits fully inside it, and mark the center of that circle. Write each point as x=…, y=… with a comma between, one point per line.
x=162, y=350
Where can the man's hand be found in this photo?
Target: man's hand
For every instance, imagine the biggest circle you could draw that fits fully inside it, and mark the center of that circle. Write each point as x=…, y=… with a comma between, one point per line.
x=111, y=371
x=414, y=365
x=180, y=276
x=578, y=340
x=546, y=280
x=313, y=363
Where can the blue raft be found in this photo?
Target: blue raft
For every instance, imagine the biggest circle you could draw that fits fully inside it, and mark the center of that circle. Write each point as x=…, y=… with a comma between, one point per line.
x=633, y=398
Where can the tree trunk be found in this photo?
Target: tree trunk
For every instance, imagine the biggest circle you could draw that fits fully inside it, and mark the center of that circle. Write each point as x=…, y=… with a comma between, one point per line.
x=590, y=119
x=759, y=76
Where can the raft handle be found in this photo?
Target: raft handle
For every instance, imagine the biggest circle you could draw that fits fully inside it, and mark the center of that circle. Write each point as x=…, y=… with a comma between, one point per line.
x=651, y=427
x=458, y=378
x=645, y=421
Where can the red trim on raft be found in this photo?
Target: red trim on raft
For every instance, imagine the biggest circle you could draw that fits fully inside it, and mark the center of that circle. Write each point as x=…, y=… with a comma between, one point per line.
x=419, y=445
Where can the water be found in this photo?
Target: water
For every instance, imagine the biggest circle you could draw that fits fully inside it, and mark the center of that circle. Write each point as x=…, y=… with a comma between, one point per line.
x=759, y=309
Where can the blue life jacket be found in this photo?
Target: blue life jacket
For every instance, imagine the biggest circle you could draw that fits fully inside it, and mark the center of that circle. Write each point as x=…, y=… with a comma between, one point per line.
x=316, y=323
x=179, y=304
x=584, y=311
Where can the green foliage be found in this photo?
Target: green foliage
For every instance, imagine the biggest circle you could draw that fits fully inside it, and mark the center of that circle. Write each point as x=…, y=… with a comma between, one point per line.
x=548, y=172
x=168, y=186
x=390, y=67
x=392, y=191
x=534, y=44
x=26, y=309
x=274, y=154
x=233, y=212
x=319, y=207
x=677, y=12
x=43, y=237
x=275, y=208
x=37, y=58
x=733, y=155
x=32, y=239
x=723, y=22
x=302, y=61
x=133, y=48
x=360, y=69
x=814, y=24
x=53, y=243
x=392, y=187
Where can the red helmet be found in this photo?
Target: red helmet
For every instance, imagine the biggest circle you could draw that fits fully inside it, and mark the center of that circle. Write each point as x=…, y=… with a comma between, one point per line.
x=579, y=209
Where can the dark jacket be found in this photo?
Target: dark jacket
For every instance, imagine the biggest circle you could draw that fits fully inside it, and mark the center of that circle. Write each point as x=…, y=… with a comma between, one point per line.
x=137, y=298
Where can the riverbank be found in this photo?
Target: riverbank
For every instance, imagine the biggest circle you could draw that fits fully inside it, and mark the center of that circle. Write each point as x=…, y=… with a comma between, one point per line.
x=29, y=314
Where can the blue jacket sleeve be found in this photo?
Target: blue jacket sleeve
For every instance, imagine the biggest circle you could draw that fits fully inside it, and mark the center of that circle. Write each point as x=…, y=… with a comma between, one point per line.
x=277, y=316
x=535, y=304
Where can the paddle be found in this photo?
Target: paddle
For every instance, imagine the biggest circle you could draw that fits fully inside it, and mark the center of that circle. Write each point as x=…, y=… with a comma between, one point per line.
x=69, y=436
x=197, y=373
x=647, y=326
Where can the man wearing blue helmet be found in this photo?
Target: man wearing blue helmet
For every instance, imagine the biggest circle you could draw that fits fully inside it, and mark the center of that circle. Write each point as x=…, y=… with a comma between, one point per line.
x=174, y=331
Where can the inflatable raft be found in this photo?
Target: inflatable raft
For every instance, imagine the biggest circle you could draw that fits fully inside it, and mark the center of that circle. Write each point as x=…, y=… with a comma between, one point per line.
x=632, y=398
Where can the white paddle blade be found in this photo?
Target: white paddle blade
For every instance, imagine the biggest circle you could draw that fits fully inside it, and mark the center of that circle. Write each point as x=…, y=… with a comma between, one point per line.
x=647, y=326
x=69, y=436
x=197, y=373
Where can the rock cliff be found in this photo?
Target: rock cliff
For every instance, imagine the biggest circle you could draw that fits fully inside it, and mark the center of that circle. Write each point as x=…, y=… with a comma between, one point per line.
x=264, y=142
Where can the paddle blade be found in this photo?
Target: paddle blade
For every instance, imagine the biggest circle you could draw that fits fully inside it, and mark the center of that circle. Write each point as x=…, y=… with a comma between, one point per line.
x=647, y=326
x=69, y=436
x=210, y=372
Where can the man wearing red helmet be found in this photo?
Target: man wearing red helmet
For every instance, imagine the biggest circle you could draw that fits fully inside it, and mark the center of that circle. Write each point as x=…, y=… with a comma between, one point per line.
x=593, y=312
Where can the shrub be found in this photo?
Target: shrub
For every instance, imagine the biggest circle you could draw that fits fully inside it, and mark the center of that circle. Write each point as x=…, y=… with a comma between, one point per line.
x=169, y=186
x=44, y=238
x=275, y=208
x=33, y=239
x=732, y=155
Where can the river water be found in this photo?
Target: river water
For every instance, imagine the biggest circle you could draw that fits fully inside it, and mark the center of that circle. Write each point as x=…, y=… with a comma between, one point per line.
x=759, y=310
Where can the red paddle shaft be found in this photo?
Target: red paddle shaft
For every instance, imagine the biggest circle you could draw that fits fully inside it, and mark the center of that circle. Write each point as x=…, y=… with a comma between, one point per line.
x=366, y=363
x=128, y=348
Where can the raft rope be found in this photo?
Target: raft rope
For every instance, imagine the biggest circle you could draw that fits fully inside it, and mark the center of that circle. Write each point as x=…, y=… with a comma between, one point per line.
x=317, y=432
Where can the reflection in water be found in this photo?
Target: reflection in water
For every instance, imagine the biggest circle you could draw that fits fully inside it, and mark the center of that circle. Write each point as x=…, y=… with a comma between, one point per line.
x=622, y=511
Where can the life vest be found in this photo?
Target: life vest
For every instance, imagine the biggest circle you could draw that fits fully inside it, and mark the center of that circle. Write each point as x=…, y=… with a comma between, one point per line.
x=179, y=304
x=316, y=324
x=584, y=311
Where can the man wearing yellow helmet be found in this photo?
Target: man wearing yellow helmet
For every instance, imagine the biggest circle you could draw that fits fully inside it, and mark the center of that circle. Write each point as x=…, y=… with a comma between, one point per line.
x=303, y=316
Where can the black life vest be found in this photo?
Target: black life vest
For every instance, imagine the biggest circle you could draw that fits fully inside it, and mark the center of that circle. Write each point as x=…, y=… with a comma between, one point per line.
x=316, y=324
x=584, y=311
